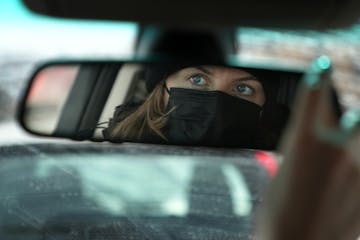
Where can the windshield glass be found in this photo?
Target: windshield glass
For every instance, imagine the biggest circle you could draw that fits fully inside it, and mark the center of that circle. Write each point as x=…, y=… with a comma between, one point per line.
x=100, y=190
x=299, y=48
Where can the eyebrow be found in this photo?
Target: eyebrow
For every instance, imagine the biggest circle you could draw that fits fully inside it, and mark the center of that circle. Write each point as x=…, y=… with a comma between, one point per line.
x=204, y=69
x=209, y=72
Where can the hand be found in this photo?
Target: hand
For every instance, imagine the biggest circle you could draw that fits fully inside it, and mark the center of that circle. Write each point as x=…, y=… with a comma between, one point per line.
x=316, y=194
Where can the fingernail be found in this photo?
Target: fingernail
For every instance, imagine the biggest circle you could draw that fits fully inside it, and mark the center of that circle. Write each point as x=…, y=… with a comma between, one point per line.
x=349, y=123
x=318, y=72
x=350, y=120
x=330, y=135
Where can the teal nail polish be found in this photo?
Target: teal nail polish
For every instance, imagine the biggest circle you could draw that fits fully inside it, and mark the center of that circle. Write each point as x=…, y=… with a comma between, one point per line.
x=350, y=120
x=319, y=68
x=323, y=62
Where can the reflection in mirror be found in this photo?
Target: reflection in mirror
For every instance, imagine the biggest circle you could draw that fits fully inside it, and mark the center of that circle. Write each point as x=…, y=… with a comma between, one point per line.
x=47, y=96
x=207, y=105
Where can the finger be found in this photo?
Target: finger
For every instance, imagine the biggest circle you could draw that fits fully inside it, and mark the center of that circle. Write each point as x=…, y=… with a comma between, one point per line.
x=308, y=160
x=327, y=113
x=311, y=97
x=350, y=214
x=353, y=228
x=338, y=201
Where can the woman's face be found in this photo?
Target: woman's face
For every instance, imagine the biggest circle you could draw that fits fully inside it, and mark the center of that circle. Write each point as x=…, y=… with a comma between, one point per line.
x=232, y=81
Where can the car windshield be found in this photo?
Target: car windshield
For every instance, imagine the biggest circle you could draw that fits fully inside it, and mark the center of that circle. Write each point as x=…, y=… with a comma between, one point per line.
x=132, y=192
x=340, y=46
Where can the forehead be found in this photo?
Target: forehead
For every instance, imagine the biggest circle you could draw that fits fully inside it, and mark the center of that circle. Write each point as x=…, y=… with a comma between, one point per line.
x=223, y=71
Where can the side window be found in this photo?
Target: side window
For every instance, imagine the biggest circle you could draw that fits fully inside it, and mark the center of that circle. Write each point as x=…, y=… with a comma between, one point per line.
x=128, y=86
x=47, y=97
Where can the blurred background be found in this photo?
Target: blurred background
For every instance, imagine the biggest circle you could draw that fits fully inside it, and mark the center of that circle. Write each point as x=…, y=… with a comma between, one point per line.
x=28, y=40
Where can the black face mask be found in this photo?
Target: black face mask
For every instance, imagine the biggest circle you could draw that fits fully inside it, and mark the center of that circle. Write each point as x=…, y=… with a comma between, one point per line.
x=211, y=118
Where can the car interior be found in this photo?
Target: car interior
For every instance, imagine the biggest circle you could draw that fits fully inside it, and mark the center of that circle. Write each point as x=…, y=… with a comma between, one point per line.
x=92, y=189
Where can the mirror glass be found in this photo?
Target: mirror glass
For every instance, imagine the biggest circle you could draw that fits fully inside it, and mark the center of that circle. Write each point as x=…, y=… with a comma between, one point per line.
x=182, y=104
x=47, y=97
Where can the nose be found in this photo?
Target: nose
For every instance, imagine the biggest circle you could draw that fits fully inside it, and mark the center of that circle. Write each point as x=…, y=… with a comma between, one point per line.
x=221, y=85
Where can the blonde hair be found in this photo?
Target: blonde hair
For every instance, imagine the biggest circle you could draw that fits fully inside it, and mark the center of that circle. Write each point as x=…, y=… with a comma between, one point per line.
x=149, y=119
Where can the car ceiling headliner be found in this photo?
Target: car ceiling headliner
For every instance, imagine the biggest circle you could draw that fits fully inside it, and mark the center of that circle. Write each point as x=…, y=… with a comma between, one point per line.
x=295, y=14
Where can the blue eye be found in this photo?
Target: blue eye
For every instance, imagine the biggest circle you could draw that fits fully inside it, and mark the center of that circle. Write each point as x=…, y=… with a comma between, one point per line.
x=243, y=89
x=197, y=80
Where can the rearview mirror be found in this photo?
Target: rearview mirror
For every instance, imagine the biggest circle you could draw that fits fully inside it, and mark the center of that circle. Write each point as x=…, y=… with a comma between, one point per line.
x=183, y=104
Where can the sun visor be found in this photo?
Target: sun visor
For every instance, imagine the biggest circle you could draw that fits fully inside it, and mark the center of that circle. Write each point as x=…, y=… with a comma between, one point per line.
x=295, y=14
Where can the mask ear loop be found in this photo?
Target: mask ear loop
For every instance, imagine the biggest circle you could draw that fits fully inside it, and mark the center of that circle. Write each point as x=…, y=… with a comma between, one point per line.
x=166, y=88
